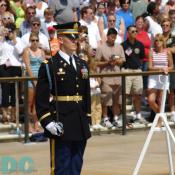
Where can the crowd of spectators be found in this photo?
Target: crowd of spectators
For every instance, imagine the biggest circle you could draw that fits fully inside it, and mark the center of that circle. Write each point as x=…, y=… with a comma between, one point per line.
x=115, y=36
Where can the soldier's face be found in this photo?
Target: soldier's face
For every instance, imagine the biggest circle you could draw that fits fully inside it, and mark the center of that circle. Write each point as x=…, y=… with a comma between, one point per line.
x=69, y=45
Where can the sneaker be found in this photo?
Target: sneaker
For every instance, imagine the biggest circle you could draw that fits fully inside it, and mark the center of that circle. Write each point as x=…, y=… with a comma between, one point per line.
x=108, y=124
x=120, y=123
x=91, y=129
x=101, y=128
x=94, y=127
x=172, y=117
x=142, y=120
x=115, y=123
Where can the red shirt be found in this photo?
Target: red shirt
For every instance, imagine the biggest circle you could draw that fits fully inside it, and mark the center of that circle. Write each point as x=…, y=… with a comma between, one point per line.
x=143, y=37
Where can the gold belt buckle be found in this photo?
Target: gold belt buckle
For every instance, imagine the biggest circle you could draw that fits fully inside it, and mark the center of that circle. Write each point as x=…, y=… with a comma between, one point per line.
x=76, y=98
x=67, y=98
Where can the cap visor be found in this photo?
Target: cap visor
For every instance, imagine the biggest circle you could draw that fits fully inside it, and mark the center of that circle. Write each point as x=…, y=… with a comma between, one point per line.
x=72, y=36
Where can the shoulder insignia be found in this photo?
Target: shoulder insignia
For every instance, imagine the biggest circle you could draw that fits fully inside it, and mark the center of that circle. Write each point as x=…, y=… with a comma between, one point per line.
x=45, y=61
x=75, y=26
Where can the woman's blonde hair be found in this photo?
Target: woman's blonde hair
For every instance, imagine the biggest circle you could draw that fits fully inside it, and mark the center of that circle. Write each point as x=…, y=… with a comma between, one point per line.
x=8, y=14
x=166, y=20
x=33, y=35
x=160, y=37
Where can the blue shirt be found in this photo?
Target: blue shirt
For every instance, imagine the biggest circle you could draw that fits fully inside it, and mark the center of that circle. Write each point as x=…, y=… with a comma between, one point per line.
x=127, y=17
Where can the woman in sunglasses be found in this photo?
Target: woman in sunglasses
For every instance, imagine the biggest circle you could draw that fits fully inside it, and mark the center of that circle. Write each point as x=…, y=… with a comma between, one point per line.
x=7, y=17
x=32, y=57
x=160, y=59
x=4, y=6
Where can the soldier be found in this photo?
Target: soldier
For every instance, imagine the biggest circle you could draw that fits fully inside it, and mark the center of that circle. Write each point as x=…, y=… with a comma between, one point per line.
x=65, y=118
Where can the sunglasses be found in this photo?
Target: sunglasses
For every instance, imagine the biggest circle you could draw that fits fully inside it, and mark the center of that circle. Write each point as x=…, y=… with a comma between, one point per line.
x=72, y=36
x=31, y=13
x=111, y=20
x=6, y=18
x=158, y=40
x=3, y=5
x=165, y=25
x=36, y=24
x=34, y=40
x=126, y=3
x=134, y=31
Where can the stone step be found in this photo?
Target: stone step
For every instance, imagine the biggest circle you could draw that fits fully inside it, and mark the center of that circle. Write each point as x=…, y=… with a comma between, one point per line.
x=9, y=132
x=8, y=127
x=130, y=107
x=12, y=136
x=136, y=126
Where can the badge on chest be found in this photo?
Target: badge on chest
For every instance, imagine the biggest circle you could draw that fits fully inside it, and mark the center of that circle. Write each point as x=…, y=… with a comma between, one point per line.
x=84, y=72
x=60, y=71
x=128, y=51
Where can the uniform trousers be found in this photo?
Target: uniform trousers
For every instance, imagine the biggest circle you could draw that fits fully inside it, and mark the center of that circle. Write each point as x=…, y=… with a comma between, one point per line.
x=8, y=89
x=66, y=156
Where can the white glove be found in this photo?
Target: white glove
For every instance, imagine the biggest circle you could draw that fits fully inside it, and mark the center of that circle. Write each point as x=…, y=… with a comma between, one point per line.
x=55, y=128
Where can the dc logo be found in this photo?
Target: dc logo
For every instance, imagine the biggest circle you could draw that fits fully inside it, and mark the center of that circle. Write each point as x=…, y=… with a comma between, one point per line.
x=9, y=165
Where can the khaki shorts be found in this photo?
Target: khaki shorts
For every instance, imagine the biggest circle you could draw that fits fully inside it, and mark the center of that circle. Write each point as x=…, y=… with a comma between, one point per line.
x=109, y=93
x=134, y=84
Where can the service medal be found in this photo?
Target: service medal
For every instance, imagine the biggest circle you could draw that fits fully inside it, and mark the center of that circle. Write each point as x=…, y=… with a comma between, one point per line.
x=84, y=72
x=61, y=71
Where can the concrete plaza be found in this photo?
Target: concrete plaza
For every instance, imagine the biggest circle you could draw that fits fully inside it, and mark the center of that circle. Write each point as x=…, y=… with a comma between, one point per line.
x=106, y=154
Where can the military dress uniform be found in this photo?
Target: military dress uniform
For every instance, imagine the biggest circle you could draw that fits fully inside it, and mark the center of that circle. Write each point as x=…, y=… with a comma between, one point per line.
x=72, y=97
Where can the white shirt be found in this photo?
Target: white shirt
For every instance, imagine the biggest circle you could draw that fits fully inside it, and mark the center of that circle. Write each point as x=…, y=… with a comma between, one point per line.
x=93, y=33
x=40, y=12
x=43, y=39
x=50, y=24
x=163, y=2
x=10, y=53
x=154, y=27
x=94, y=85
x=66, y=58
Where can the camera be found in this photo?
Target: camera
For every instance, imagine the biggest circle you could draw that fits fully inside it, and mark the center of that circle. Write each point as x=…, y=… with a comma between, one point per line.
x=7, y=35
x=114, y=57
x=7, y=38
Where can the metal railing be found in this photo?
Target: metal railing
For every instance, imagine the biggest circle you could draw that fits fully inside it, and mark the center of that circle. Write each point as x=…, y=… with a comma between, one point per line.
x=25, y=80
x=122, y=75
